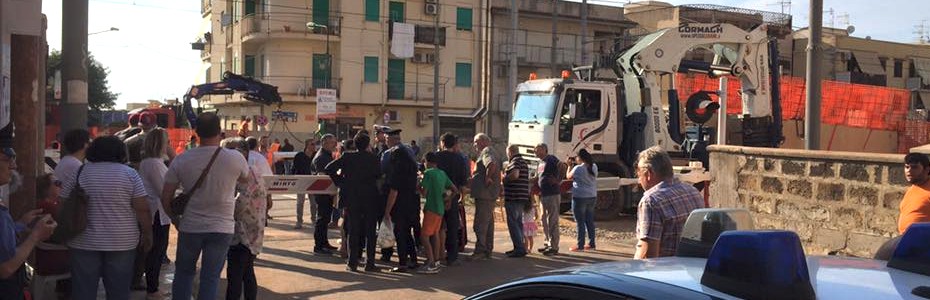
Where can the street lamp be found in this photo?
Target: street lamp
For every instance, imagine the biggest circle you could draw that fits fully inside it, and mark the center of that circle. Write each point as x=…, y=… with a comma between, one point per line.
x=108, y=30
x=329, y=61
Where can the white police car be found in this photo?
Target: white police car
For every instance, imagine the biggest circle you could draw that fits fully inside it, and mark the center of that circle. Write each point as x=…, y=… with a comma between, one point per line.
x=719, y=258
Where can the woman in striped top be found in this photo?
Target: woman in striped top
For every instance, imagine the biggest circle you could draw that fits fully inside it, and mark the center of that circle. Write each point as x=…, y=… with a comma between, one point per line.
x=116, y=210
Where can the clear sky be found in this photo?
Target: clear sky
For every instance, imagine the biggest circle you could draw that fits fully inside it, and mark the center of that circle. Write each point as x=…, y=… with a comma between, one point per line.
x=150, y=56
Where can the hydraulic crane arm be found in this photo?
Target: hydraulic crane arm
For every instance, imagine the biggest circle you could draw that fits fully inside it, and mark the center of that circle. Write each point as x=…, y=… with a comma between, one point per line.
x=254, y=91
x=737, y=52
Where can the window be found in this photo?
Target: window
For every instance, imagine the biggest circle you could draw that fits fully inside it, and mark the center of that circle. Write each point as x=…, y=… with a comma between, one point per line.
x=372, y=10
x=463, y=19
x=395, y=78
x=321, y=12
x=249, y=7
x=249, y=65
x=371, y=69
x=322, y=75
x=911, y=70
x=463, y=74
x=898, y=68
x=396, y=11
x=587, y=109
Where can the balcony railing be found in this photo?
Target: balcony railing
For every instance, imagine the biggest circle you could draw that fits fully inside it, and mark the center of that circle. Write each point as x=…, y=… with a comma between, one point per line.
x=538, y=54
x=300, y=85
x=416, y=91
x=272, y=23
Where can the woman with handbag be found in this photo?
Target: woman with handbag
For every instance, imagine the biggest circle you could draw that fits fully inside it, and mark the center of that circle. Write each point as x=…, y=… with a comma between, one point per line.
x=116, y=210
x=152, y=169
x=251, y=206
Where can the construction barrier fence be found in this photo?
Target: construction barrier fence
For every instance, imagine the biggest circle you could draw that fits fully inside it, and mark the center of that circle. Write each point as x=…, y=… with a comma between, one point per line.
x=843, y=104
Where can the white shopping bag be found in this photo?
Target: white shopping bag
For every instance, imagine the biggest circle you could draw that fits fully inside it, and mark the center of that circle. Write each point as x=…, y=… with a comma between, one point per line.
x=386, y=235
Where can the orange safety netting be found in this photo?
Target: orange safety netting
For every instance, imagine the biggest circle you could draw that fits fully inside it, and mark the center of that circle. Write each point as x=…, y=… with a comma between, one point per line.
x=854, y=105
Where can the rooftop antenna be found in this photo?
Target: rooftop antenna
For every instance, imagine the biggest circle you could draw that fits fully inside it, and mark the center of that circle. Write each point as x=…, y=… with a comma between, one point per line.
x=785, y=6
x=923, y=32
x=844, y=19
x=832, y=14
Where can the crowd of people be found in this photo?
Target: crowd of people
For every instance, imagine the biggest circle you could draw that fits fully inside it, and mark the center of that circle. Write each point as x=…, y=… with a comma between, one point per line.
x=384, y=185
x=132, y=200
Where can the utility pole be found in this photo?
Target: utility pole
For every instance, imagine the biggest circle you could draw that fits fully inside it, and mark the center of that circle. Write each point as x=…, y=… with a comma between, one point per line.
x=584, y=32
x=436, y=80
x=814, y=61
x=554, y=68
x=74, y=65
x=512, y=86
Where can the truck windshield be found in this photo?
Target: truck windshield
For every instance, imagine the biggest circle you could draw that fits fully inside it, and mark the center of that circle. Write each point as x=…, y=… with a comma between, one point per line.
x=535, y=107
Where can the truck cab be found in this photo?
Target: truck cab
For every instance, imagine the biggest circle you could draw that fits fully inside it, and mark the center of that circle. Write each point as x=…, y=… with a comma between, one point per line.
x=569, y=115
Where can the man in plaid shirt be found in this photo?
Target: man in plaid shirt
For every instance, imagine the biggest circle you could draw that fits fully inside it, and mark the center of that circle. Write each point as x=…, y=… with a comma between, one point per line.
x=665, y=206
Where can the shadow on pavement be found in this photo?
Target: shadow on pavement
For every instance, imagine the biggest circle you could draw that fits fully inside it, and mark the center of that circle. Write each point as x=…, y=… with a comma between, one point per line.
x=479, y=275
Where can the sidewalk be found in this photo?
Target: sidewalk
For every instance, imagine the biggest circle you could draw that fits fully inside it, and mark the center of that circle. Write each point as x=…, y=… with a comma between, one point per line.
x=288, y=269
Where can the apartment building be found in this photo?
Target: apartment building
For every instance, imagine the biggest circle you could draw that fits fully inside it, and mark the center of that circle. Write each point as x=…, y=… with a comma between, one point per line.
x=863, y=60
x=548, y=40
x=303, y=46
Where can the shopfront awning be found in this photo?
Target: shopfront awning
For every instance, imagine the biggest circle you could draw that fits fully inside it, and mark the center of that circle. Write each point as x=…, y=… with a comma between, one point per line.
x=925, y=98
x=869, y=63
x=923, y=69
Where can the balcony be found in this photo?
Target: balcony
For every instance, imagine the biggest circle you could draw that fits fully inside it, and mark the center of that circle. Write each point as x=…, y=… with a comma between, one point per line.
x=205, y=6
x=258, y=27
x=300, y=85
x=861, y=78
x=416, y=91
x=423, y=35
x=531, y=54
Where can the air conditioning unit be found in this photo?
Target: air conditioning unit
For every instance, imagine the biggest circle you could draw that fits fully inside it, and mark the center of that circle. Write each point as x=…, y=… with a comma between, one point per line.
x=423, y=58
x=431, y=9
x=392, y=116
x=423, y=117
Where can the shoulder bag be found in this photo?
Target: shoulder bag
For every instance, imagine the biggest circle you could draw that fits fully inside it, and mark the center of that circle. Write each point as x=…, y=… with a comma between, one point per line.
x=72, y=217
x=179, y=203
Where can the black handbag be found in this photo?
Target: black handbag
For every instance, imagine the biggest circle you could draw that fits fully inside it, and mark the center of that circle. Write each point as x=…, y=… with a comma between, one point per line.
x=179, y=203
x=72, y=217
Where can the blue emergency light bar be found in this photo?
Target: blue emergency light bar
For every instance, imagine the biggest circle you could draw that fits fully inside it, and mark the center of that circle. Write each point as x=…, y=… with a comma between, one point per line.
x=913, y=251
x=759, y=265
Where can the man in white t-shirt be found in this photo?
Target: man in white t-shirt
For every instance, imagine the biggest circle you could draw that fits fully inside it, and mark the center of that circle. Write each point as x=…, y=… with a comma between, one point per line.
x=74, y=149
x=207, y=225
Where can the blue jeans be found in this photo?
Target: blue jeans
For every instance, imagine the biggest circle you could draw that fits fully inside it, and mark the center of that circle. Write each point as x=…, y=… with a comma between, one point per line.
x=583, y=210
x=515, y=224
x=115, y=267
x=214, y=246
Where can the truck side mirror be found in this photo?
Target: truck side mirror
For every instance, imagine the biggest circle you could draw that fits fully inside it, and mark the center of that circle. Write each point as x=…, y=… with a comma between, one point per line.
x=571, y=110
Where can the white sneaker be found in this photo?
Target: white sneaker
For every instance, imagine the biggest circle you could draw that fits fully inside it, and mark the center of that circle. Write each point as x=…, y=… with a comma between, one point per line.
x=430, y=269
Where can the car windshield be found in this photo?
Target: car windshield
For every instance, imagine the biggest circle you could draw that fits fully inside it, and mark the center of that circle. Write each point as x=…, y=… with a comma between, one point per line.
x=535, y=107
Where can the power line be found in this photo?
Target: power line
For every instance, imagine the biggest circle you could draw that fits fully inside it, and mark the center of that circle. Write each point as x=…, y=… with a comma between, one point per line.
x=143, y=5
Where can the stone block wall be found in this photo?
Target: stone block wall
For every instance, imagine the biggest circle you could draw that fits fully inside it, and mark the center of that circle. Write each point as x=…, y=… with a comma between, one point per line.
x=838, y=202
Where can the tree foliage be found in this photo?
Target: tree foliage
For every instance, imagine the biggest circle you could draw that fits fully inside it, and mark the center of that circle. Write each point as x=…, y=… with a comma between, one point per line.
x=99, y=96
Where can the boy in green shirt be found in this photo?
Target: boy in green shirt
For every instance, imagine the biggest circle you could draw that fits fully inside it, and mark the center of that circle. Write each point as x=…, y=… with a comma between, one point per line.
x=433, y=186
